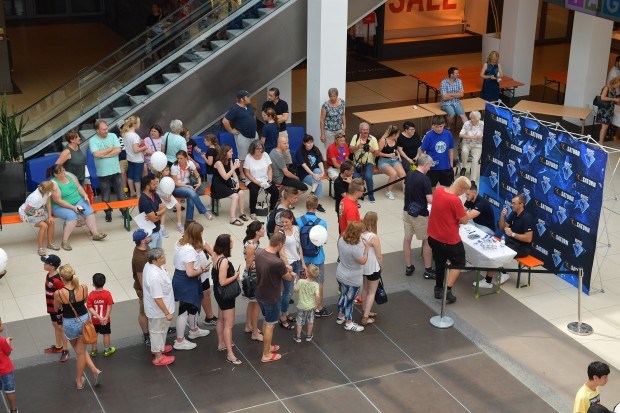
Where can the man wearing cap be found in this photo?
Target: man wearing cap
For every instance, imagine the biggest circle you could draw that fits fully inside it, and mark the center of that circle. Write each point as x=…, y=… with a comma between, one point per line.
x=240, y=121
x=150, y=203
x=53, y=283
x=138, y=261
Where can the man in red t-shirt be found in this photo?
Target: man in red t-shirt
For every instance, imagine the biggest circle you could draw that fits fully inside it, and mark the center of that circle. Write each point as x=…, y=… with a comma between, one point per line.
x=443, y=233
x=337, y=153
x=348, y=210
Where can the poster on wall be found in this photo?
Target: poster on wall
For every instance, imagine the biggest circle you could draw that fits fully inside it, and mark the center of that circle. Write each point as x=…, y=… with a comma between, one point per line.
x=415, y=18
x=561, y=178
x=584, y=6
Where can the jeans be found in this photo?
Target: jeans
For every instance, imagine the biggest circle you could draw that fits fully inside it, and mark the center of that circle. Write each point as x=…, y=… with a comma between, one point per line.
x=192, y=198
x=156, y=240
x=309, y=180
x=288, y=288
x=117, y=181
x=255, y=190
x=368, y=171
x=346, y=300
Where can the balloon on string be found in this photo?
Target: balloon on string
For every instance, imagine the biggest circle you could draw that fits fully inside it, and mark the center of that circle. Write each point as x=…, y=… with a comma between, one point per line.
x=318, y=235
x=167, y=185
x=4, y=260
x=159, y=161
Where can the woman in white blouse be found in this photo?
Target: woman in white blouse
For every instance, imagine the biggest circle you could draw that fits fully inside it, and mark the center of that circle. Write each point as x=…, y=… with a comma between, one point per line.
x=471, y=136
x=37, y=210
x=258, y=172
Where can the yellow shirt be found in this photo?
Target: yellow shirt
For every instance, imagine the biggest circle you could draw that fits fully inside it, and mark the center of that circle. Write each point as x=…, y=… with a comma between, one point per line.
x=367, y=157
x=585, y=398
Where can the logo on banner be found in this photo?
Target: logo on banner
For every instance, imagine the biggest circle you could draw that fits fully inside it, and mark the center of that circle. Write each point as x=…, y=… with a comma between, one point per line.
x=497, y=138
x=589, y=157
x=526, y=192
x=561, y=214
x=546, y=184
x=567, y=170
x=550, y=144
x=511, y=167
x=516, y=126
x=578, y=247
x=531, y=153
x=582, y=204
x=557, y=257
x=541, y=227
x=493, y=179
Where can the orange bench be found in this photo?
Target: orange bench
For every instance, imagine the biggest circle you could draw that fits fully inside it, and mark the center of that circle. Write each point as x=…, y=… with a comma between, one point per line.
x=124, y=206
x=528, y=262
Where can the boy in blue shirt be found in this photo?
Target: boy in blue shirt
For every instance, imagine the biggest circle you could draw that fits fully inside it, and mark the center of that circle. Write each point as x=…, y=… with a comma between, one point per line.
x=438, y=143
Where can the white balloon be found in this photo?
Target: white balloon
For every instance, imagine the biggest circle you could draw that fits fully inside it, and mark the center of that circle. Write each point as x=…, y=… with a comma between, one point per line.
x=318, y=235
x=4, y=260
x=159, y=161
x=167, y=185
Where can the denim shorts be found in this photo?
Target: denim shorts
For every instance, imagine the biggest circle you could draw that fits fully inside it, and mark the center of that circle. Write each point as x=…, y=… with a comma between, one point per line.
x=73, y=326
x=8, y=382
x=387, y=161
x=271, y=312
x=134, y=171
x=69, y=214
x=453, y=110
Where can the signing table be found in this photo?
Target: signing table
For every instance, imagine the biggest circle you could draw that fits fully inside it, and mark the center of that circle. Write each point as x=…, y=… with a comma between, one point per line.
x=555, y=110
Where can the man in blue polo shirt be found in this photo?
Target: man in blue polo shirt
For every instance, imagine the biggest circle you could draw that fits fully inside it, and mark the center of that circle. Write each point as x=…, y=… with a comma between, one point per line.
x=150, y=203
x=240, y=121
x=439, y=145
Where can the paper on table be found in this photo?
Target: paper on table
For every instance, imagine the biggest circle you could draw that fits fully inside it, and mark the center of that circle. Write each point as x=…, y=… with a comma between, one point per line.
x=143, y=223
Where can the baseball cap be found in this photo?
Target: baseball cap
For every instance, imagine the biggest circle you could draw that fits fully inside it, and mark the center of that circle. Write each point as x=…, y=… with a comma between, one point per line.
x=53, y=260
x=242, y=93
x=139, y=235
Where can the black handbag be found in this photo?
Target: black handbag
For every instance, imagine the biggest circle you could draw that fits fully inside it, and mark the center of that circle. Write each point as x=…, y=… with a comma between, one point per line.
x=381, y=296
x=249, y=283
x=600, y=103
x=229, y=291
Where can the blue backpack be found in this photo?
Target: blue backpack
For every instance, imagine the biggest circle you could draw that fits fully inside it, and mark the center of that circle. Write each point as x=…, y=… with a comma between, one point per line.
x=307, y=247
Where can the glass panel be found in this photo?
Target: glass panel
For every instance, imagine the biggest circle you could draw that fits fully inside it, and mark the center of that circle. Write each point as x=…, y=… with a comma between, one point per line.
x=14, y=8
x=45, y=7
x=85, y=6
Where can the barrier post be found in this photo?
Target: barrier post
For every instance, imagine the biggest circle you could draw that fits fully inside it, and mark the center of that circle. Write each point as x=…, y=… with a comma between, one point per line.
x=441, y=321
x=577, y=327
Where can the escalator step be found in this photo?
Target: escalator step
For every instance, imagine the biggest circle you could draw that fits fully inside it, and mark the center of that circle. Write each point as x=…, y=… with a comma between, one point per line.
x=169, y=77
x=216, y=44
x=121, y=110
x=185, y=66
x=154, y=88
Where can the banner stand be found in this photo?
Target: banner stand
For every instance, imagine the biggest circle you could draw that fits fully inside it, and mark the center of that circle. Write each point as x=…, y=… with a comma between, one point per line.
x=577, y=327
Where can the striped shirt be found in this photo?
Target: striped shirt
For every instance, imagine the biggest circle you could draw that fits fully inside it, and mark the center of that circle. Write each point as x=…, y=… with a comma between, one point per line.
x=52, y=284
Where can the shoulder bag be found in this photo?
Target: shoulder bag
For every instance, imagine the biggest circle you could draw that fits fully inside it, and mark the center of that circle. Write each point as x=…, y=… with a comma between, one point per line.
x=381, y=296
x=600, y=103
x=229, y=291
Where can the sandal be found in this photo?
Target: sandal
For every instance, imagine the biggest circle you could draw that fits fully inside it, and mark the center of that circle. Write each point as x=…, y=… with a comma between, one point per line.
x=373, y=315
x=99, y=236
x=286, y=325
x=236, y=362
x=66, y=246
x=236, y=222
x=274, y=357
x=243, y=217
x=82, y=386
x=274, y=348
x=367, y=320
x=257, y=338
x=224, y=348
x=290, y=318
x=53, y=246
x=41, y=252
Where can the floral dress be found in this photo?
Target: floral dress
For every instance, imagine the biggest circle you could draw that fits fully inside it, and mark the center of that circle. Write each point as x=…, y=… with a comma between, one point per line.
x=605, y=115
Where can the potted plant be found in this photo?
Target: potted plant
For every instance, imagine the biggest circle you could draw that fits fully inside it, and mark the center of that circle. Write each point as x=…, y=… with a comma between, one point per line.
x=13, y=188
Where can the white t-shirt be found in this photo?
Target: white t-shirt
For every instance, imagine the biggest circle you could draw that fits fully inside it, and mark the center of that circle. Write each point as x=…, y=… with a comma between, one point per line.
x=258, y=168
x=184, y=254
x=183, y=174
x=35, y=200
x=372, y=265
x=156, y=283
x=291, y=245
x=130, y=139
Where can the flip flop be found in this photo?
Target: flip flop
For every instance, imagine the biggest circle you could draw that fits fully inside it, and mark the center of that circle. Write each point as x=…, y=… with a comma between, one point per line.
x=224, y=348
x=236, y=222
x=274, y=348
x=288, y=325
x=235, y=362
x=244, y=217
x=274, y=357
x=98, y=378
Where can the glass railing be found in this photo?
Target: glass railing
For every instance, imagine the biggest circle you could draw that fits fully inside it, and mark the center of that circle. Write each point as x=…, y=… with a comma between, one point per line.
x=155, y=48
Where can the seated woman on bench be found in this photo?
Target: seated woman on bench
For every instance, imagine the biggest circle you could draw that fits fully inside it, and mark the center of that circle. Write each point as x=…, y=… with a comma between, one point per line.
x=69, y=201
x=181, y=171
x=226, y=185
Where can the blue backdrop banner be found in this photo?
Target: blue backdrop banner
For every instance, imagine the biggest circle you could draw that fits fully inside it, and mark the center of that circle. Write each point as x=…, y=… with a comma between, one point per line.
x=561, y=178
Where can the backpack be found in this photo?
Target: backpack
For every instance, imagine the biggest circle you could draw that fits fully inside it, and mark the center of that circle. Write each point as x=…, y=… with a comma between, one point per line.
x=307, y=247
x=271, y=220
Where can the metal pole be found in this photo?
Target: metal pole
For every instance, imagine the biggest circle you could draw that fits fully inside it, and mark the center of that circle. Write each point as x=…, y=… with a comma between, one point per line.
x=441, y=321
x=579, y=328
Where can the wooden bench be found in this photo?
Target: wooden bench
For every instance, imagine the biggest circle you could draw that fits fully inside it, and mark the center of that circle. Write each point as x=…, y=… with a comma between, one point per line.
x=125, y=208
x=10, y=219
x=528, y=262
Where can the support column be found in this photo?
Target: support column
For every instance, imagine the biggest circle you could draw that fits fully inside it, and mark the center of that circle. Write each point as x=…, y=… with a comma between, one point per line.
x=6, y=86
x=327, y=58
x=517, y=44
x=589, y=57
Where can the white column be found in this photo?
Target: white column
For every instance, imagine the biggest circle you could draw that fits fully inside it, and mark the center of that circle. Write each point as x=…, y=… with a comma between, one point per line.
x=589, y=56
x=517, y=44
x=327, y=57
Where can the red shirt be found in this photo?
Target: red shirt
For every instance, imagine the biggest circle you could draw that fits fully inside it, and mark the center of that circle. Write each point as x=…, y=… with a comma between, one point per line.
x=99, y=300
x=52, y=284
x=348, y=212
x=333, y=151
x=443, y=223
x=6, y=365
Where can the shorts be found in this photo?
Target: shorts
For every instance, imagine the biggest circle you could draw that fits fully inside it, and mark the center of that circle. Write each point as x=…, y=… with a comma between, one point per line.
x=270, y=311
x=304, y=316
x=134, y=171
x=387, y=161
x=156, y=240
x=452, y=110
x=8, y=382
x=69, y=214
x=73, y=326
x=374, y=276
x=417, y=226
x=124, y=165
x=206, y=284
x=445, y=177
x=31, y=219
x=103, y=329
x=140, y=295
x=243, y=144
x=56, y=317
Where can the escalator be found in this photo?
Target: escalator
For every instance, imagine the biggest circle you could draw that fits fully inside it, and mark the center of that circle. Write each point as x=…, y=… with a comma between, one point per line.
x=189, y=68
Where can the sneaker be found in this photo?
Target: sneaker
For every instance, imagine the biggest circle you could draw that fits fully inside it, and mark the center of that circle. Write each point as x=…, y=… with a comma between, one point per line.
x=309, y=337
x=208, y=215
x=164, y=361
x=167, y=349
x=358, y=300
x=184, y=345
x=108, y=216
x=109, y=351
x=147, y=340
x=211, y=321
x=353, y=327
x=64, y=356
x=324, y=312
x=438, y=291
x=53, y=349
x=484, y=284
x=291, y=301
x=320, y=208
x=429, y=275
x=409, y=270
x=450, y=298
x=297, y=339
x=503, y=277
x=463, y=171
x=339, y=320
x=253, y=217
x=198, y=333
x=172, y=331
x=180, y=228
x=371, y=198
x=94, y=353
x=389, y=195
x=164, y=233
